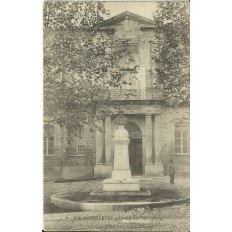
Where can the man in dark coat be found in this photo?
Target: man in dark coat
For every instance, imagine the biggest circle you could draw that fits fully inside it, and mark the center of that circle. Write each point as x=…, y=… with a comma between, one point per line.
x=171, y=171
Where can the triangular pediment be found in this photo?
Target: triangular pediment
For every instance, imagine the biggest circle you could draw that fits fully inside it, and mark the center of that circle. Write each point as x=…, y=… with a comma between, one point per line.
x=113, y=21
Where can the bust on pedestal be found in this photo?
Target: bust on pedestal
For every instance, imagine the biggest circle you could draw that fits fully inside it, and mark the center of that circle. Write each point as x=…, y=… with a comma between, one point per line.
x=121, y=176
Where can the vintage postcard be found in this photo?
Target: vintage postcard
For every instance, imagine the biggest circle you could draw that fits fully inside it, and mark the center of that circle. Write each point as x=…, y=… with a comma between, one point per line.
x=116, y=115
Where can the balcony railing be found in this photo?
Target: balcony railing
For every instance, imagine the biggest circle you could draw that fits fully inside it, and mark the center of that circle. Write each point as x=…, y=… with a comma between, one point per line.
x=130, y=94
x=136, y=94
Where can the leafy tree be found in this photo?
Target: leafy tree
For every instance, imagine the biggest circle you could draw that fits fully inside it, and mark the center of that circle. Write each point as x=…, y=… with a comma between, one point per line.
x=72, y=15
x=79, y=63
x=171, y=52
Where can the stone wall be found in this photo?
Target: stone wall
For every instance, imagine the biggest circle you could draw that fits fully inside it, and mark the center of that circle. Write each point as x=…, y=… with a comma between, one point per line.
x=64, y=165
x=72, y=167
x=129, y=29
x=169, y=116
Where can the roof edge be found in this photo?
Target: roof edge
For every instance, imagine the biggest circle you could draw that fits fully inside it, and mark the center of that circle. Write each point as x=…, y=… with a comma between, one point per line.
x=129, y=14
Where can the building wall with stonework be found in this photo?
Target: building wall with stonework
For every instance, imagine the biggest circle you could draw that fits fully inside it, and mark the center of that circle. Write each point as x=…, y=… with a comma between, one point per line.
x=74, y=160
x=67, y=163
x=170, y=117
x=157, y=133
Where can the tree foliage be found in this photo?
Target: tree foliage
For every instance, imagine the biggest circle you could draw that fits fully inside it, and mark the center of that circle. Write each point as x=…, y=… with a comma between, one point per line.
x=72, y=15
x=172, y=51
x=79, y=62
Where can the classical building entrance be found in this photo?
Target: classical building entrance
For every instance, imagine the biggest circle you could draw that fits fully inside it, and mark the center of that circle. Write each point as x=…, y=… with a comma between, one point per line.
x=135, y=148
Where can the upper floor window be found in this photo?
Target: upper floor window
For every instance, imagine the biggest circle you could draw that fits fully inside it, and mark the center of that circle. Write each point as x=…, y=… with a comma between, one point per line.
x=182, y=138
x=131, y=47
x=48, y=140
x=80, y=149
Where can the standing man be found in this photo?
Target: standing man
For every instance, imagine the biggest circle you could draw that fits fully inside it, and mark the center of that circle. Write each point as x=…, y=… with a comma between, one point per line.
x=171, y=171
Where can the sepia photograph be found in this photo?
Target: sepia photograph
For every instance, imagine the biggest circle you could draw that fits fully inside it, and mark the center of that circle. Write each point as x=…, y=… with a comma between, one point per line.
x=116, y=116
x=95, y=115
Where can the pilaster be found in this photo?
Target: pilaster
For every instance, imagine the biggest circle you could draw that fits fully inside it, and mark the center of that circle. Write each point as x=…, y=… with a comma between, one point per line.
x=99, y=144
x=108, y=141
x=149, y=167
x=153, y=145
x=148, y=139
x=100, y=169
x=158, y=162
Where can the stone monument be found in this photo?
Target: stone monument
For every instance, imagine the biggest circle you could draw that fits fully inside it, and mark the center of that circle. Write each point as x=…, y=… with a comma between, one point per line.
x=121, y=176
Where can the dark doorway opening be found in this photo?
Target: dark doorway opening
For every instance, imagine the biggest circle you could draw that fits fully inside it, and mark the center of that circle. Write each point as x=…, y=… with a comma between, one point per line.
x=135, y=148
x=135, y=156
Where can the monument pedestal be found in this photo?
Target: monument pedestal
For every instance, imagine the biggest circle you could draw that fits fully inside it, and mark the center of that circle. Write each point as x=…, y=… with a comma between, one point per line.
x=121, y=176
x=121, y=185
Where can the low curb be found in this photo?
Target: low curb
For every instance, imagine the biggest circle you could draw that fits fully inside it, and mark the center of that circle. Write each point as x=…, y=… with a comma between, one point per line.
x=60, y=201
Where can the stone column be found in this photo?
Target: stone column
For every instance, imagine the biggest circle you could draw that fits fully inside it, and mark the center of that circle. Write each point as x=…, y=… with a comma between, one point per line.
x=149, y=167
x=108, y=141
x=98, y=168
x=108, y=147
x=148, y=139
x=99, y=143
x=158, y=161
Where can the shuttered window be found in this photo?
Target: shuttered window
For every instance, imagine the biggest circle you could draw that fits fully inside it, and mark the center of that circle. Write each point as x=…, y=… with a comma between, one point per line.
x=182, y=138
x=48, y=140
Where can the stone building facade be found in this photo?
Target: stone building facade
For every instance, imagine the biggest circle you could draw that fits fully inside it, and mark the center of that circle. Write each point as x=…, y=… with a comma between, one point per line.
x=157, y=133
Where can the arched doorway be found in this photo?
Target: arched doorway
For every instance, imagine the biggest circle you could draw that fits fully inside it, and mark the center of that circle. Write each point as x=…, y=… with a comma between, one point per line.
x=135, y=148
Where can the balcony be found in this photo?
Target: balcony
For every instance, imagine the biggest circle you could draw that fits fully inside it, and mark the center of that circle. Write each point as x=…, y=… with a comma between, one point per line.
x=135, y=94
x=129, y=94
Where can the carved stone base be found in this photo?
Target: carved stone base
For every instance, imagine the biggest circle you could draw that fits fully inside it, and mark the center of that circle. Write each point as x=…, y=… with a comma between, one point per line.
x=121, y=185
x=121, y=175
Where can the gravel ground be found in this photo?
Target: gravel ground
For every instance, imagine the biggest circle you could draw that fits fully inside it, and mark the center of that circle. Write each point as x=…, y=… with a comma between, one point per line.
x=172, y=218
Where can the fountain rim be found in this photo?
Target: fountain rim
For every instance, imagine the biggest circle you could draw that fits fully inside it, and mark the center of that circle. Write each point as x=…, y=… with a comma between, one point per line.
x=59, y=201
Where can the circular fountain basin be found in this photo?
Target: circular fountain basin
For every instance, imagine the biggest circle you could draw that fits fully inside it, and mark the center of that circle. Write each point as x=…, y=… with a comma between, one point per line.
x=83, y=200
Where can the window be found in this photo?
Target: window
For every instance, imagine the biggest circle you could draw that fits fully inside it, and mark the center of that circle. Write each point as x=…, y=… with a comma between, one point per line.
x=75, y=137
x=80, y=149
x=181, y=138
x=48, y=140
x=76, y=141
